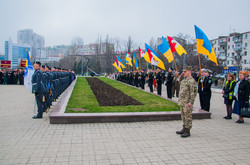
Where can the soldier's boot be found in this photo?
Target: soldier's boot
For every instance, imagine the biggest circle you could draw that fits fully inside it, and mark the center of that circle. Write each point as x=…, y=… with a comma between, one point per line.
x=186, y=133
x=181, y=131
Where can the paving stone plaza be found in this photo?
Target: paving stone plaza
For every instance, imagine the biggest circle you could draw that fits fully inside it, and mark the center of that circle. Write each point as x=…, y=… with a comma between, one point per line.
x=24, y=140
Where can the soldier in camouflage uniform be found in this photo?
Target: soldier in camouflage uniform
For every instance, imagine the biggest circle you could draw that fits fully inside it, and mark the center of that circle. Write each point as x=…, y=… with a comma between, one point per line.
x=188, y=91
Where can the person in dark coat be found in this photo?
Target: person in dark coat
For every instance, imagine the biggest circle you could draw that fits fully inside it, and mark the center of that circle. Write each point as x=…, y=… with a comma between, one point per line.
x=169, y=82
x=200, y=79
x=150, y=80
x=8, y=77
x=227, y=92
x=142, y=79
x=38, y=89
x=1, y=77
x=21, y=76
x=241, y=92
x=159, y=81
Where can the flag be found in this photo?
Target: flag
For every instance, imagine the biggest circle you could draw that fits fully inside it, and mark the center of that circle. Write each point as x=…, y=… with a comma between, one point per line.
x=165, y=50
x=29, y=70
x=128, y=59
x=141, y=53
x=154, y=60
x=203, y=45
x=135, y=61
x=120, y=62
x=117, y=65
x=176, y=47
x=118, y=68
x=146, y=55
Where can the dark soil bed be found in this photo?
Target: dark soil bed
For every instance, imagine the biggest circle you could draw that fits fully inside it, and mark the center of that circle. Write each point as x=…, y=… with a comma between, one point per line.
x=107, y=95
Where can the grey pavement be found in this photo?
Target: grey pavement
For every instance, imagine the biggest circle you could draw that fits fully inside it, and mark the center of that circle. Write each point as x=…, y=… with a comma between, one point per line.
x=24, y=140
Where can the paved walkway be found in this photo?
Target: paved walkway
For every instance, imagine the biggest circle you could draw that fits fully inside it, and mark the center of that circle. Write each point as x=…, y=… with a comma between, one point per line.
x=24, y=140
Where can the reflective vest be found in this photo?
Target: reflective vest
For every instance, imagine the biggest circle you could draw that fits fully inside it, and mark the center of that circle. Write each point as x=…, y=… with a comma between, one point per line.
x=231, y=93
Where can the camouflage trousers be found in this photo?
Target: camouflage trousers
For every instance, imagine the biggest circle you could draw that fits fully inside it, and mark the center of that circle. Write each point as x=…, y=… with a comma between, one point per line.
x=186, y=116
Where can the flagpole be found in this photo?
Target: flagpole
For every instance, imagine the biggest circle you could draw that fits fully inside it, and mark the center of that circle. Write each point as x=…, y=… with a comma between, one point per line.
x=200, y=69
x=176, y=68
x=140, y=63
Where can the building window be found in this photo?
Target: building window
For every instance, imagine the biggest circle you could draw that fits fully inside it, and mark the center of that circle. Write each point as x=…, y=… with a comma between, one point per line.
x=232, y=54
x=228, y=54
x=214, y=49
x=227, y=62
x=228, y=46
x=245, y=44
x=233, y=46
x=218, y=49
x=228, y=39
x=245, y=61
x=245, y=53
x=232, y=62
x=246, y=36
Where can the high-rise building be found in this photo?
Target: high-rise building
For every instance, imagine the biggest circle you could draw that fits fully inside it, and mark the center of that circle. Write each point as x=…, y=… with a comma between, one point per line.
x=15, y=52
x=27, y=36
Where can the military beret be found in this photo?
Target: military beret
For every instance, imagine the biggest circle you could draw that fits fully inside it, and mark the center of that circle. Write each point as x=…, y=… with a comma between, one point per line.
x=48, y=67
x=186, y=68
x=37, y=62
x=43, y=66
x=171, y=68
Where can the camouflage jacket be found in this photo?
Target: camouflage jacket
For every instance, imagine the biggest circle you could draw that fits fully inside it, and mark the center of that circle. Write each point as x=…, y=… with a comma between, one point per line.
x=188, y=91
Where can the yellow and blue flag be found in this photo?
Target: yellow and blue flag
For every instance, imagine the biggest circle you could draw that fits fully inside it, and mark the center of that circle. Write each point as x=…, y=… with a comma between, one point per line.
x=128, y=59
x=164, y=48
x=135, y=61
x=29, y=70
x=203, y=45
x=120, y=62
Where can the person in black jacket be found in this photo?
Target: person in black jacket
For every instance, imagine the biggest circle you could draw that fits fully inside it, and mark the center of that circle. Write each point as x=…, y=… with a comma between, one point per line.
x=150, y=80
x=142, y=78
x=21, y=76
x=159, y=81
x=169, y=82
x=1, y=77
x=241, y=92
x=228, y=94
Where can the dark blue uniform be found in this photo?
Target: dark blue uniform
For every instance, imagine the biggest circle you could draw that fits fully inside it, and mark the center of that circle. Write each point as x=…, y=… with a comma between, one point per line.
x=38, y=90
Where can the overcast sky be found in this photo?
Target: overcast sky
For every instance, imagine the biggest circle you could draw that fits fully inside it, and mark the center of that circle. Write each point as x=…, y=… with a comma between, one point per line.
x=61, y=20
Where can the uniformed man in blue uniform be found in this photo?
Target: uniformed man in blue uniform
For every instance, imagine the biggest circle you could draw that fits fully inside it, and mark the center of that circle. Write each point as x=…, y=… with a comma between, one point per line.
x=38, y=89
x=49, y=85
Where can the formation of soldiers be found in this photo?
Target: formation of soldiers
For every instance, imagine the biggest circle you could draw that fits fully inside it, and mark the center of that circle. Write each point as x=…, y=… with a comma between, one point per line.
x=48, y=84
x=12, y=76
x=172, y=81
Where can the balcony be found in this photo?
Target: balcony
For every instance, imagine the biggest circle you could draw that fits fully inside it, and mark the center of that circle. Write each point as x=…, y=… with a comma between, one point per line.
x=237, y=40
x=222, y=42
x=222, y=50
x=238, y=49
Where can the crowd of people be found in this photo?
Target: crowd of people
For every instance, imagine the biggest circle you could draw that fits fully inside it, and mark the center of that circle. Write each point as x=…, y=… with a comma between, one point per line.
x=237, y=92
x=171, y=79
x=12, y=76
x=177, y=83
x=154, y=78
